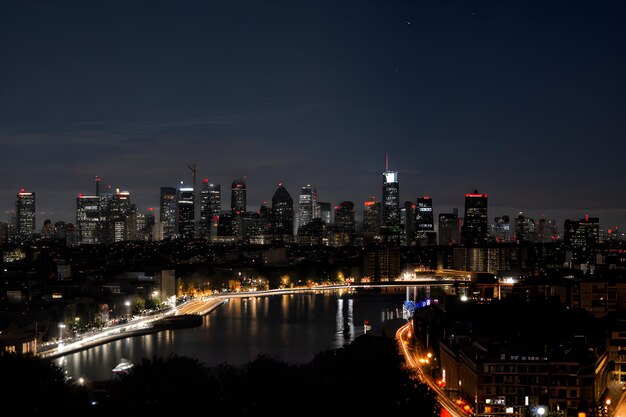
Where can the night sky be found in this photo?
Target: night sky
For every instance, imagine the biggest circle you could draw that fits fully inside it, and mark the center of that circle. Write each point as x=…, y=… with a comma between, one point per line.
x=524, y=100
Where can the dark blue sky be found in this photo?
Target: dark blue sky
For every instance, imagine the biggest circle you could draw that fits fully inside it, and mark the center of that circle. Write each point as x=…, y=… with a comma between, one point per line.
x=524, y=100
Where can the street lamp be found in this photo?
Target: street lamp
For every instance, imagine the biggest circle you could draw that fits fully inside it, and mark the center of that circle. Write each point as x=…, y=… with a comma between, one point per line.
x=541, y=411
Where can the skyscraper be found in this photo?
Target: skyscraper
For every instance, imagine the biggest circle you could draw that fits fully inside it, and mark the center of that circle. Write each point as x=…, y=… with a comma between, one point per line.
x=371, y=217
x=25, y=214
x=186, y=212
x=206, y=218
x=90, y=218
x=238, y=196
x=501, y=229
x=524, y=229
x=407, y=223
x=391, y=201
x=475, y=228
x=449, y=228
x=282, y=213
x=168, y=214
x=424, y=219
x=215, y=202
x=119, y=208
x=325, y=212
x=305, y=206
x=344, y=222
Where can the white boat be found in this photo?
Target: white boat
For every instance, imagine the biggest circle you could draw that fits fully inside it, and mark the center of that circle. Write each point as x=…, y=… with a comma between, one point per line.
x=123, y=367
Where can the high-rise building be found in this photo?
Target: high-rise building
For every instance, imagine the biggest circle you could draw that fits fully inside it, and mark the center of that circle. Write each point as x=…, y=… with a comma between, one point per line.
x=119, y=209
x=186, y=212
x=345, y=226
x=282, y=213
x=501, y=229
x=475, y=228
x=408, y=223
x=424, y=219
x=582, y=233
x=168, y=214
x=25, y=214
x=547, y=230
x=371, y=217
x=391, y=201
x=448, y=228
x=524, y=229
x=325, y=212
x=305, y=206
x=90, y=218
x=238, y=196
x=206, y=218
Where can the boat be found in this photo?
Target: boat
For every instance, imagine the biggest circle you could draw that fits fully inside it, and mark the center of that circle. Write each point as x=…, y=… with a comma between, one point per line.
x=123, y=367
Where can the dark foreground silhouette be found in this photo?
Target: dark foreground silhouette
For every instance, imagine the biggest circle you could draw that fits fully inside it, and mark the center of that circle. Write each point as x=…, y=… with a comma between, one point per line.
x=366, y=376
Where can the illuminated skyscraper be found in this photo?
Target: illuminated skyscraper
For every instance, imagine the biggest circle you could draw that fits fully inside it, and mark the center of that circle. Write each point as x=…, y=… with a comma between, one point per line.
x=424, y=219
x=186, y=212
x=475, y=226
x=407, y=223
x=282, y=213
x=305, y=206
x=168, y=214
x=90, y=218
x=371, y=217
x=25, y=214
x=238, y=196
x=391, y=201
x=325, y=212
x=119, y=208
x=206, y=218
x=345, y=226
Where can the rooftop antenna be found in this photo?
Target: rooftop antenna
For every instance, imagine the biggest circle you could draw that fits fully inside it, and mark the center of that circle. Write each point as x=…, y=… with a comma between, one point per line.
x=97, y=185
x=386, y=161
x=193, y=173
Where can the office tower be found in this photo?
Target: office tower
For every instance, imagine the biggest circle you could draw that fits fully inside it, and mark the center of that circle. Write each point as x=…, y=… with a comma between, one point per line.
x=424, y=219
x=186, y=212
x=238, y=196
x=391, y=201
x=501, y=229
x=47, y=230
x=582, y=233
x=90, y=219
x=475, y=229
x=25, y=214
x=305, y=206
x=282, y=213
x=345, y=226
x=407, y=223
x=547, y=230
x=206, y=217
x=317, y=214
x=215, y=203
x=371, y=217
x=168, y=214
x=149, y=223
x=325, y=212
x=119, y=209
x=524, y=229
x=449, y=228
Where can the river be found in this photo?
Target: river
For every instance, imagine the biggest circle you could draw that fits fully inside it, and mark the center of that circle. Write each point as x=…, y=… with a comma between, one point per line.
x=292, y=327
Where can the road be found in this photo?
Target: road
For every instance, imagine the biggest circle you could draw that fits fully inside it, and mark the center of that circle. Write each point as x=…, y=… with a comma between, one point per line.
x=403, y=336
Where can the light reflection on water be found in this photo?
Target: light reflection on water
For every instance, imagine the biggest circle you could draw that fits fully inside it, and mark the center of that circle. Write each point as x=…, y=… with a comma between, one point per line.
x=291, y=327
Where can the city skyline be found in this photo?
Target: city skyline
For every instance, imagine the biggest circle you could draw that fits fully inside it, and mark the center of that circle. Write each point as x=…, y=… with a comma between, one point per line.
x=521, y=101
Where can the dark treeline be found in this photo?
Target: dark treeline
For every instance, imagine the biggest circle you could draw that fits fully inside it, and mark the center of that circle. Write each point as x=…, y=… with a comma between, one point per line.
x=366, y=377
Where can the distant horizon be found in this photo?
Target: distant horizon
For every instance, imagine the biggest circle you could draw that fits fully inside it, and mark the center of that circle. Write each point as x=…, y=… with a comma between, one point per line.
x=494, y=211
